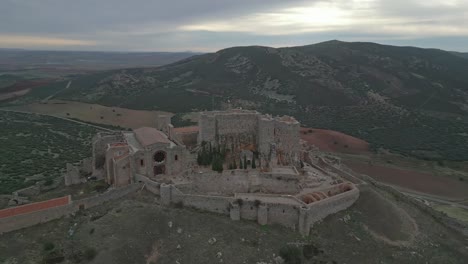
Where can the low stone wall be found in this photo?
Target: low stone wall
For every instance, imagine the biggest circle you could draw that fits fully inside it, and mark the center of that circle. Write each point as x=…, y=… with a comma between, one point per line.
x=49, y=210
x=240, y=181
x=320, y=209
x=299, y=216
x=149, y=184
x=33, y=207
x=27, y=215
x=105, y=197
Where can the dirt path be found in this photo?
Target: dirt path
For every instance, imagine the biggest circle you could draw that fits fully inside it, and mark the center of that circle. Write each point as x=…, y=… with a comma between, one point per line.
x=54, y=94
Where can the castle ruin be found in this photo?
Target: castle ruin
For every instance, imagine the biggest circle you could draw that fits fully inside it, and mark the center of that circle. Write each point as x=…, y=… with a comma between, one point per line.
x=291, y=186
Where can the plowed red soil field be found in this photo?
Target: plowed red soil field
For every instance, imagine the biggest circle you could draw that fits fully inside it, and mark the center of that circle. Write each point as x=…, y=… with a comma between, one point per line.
x=334, y=141
x=423, y=182
x=31, y=84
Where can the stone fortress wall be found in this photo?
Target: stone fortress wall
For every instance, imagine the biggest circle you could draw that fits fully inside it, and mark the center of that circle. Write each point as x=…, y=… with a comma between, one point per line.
x=241, y=181
x=100, y=143
x=241, y=202
x=245, y=129
x=238, y=128
x=276, y=195
x=32, y=214
x=294, y=214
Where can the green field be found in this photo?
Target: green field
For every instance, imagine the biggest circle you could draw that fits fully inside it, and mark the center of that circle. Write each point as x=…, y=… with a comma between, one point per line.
x=454, y=212
x=37, y=148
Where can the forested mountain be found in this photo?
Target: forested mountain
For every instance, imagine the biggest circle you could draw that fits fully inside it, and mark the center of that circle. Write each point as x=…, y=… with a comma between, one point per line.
x=411, y=100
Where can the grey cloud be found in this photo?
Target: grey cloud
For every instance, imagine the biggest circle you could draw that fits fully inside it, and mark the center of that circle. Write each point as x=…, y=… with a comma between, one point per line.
x=155, y=25
x=72, y=16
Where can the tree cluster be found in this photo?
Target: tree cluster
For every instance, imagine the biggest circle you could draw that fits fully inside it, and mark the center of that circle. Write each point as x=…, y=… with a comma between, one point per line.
x=212, y=155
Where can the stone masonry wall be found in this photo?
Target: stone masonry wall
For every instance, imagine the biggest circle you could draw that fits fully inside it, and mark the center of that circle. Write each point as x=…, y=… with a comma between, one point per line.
x=320, y=209
x=287, y=140
x=296, y=217
x=152, y=186
x=46, y=214
x=100, y=141
x=243, y=182
x=26, y=220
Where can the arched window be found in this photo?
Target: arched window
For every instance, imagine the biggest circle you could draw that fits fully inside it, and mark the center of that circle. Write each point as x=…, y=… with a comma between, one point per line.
x=142, y=163
x=176, y=157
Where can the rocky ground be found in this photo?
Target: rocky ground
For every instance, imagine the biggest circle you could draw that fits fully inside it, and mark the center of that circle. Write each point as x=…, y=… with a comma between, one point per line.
x=377, y=229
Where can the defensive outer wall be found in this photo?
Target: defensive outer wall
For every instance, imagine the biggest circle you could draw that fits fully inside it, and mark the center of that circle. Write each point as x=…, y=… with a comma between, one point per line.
x=285, y=210
x=19, y=217
x=266, y=209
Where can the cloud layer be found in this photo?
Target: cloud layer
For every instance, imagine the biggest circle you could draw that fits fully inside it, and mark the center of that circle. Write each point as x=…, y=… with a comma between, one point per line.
x=208, y=25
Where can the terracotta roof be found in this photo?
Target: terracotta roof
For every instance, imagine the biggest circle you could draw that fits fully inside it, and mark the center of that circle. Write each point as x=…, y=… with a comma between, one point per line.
x=34, y=207
x=188, y=129
x=149, y=136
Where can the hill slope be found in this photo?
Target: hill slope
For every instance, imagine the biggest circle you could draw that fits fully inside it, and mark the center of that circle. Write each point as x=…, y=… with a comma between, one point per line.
x=410, y=100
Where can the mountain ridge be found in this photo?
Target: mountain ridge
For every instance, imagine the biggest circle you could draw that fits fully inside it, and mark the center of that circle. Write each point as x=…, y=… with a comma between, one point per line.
x=360, y=88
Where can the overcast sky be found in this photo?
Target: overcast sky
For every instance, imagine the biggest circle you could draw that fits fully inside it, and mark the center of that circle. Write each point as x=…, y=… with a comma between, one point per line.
x=209, y=25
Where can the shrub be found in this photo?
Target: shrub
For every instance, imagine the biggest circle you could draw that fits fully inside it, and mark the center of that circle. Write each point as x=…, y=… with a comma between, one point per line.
x=291, y=255
x=90, y=254
x=53, y=257
x=48, y=246
x=309, y=251
x=257, y=203
x=179, y=204
x=48, y=182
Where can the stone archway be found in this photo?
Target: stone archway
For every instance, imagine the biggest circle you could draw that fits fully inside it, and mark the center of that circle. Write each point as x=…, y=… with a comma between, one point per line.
x=159, y=166
x=159, y=169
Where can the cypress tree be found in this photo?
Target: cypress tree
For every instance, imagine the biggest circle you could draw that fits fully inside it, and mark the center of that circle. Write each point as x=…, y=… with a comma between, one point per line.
x=234, y=165
x=240, y=164
x=254, y=166
x=245, y=162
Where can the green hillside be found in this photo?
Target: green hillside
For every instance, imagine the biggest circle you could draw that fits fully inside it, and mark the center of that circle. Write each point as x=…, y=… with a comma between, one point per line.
x=409, y=100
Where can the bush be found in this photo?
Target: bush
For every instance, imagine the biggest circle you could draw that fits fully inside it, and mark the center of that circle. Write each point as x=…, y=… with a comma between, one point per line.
x=179, y=204
x=48, y=246
x=48, y=182
x=53, y=258
x=257, y=203
x=291, y=255
x=310, y=251
x=90, y=254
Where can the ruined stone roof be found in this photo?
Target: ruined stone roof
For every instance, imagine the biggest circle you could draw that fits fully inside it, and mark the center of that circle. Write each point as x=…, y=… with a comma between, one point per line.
x=287, y=119
x=132, y=141
x=188, y=129
x=148, y=136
